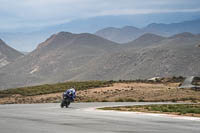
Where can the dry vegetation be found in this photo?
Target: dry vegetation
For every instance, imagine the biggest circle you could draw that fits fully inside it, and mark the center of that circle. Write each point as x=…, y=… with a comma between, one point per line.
x=105, y=91
x=142, y=92
x=175, y=109
x=46, y=93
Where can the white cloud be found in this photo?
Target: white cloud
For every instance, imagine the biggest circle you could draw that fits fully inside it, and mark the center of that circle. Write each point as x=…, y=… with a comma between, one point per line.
x=38, y=13
x=145, y=11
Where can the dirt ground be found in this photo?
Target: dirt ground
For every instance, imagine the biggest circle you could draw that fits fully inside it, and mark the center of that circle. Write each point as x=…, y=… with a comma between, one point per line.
x=140, y=92
x=119, y=92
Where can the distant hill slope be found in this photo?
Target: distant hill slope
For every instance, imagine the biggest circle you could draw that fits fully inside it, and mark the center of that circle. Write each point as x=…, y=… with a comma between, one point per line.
x=7, y=54
x=25, y=53
x=66, y=56
x=120, y=35
x=59, y=58
x=146, y=40
x=129, y=33
x=174, y=56
x=192, y=26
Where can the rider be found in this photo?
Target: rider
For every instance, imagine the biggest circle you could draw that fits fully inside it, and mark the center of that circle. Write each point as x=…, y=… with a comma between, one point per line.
x=71, y=93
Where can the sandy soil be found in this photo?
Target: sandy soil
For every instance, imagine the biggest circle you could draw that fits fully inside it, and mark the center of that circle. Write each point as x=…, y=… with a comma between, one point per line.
x=140, y=92
x=118, y=92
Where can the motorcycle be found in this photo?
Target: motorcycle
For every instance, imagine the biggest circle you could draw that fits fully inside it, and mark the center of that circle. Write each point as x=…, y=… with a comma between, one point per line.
x=66, y=101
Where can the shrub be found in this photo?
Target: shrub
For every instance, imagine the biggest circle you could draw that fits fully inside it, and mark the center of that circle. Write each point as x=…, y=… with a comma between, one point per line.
x=54, y=88
x=119, y=100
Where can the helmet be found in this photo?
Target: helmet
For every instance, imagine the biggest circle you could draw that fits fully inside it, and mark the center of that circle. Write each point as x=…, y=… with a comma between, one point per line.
x=73, y=88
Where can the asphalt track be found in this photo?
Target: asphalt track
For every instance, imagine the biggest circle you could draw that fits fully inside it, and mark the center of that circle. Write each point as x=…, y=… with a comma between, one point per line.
x=84, y=118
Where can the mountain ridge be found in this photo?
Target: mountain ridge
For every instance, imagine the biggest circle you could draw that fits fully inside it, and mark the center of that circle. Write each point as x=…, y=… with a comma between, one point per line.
x=62, y=58
x=67, y=56
x=7, y=54
x=166, y=30
x=146, y=40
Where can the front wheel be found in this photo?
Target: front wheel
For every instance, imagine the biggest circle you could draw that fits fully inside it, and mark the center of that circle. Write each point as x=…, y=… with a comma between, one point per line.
x=62, y=104
x=67, y=103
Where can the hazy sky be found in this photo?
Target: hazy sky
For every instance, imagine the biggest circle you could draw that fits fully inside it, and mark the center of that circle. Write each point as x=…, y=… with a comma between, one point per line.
x=16, y=14
x=26, y=23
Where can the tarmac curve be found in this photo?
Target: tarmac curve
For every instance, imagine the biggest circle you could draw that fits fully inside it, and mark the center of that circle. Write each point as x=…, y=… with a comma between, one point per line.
x=84, y=118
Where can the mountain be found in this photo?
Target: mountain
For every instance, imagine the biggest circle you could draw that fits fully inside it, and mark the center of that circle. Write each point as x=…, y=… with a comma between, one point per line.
x=25, y=53
x=7, y=54
x=27, y=39
x=129, y=33
x=174, y=28
x=59, y=58
x=173, y=56
x=146, y=40
x=66, y=56
x=120, y=35
x=183, y=35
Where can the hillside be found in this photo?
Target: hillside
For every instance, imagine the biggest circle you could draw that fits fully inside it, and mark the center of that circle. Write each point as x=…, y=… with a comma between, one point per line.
x=173, y=56
x=7, y=54
x=59, y=58
x=146, y=40
x=66, y=56
x=120, y=35
x=192, y=26
x=130, y=33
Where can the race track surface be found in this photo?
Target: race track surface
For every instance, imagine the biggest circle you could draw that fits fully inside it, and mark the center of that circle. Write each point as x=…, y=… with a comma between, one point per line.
x=83, y=118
